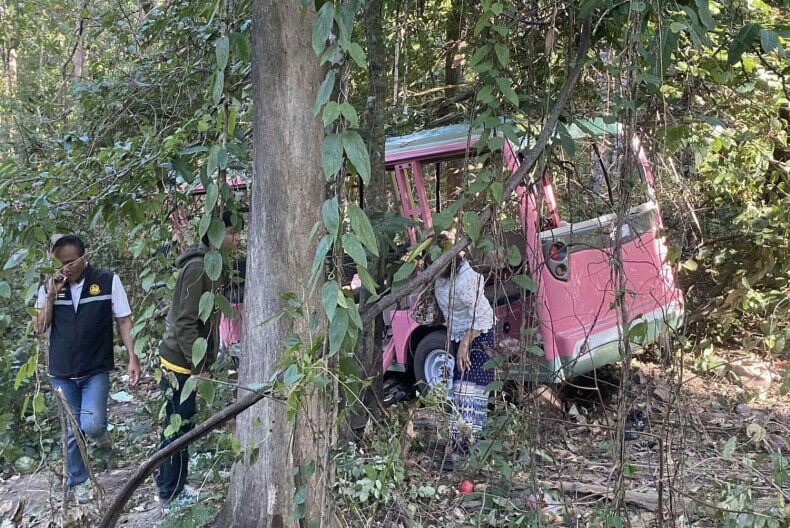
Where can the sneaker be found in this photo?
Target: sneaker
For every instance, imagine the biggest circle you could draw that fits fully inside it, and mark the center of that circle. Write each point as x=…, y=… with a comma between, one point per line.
x=186, y=498
x=82, y=493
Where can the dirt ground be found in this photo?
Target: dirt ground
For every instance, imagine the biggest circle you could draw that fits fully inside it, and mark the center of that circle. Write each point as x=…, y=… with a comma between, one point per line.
x=682, y=454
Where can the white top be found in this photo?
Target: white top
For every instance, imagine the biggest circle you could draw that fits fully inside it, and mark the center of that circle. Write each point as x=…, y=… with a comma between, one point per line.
x=120, y=303
x=470, y=308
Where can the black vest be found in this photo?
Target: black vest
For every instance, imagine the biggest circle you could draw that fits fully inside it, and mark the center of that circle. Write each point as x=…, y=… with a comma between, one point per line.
x=81, y=342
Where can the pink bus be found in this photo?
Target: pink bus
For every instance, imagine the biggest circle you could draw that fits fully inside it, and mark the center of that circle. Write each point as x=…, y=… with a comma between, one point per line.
x=586, y=247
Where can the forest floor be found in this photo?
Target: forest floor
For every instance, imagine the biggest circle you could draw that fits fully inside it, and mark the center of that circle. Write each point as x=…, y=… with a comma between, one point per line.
x=707, y=450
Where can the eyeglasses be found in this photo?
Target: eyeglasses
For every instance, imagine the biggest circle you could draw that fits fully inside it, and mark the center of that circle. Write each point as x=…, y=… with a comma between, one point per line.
x=67, y=265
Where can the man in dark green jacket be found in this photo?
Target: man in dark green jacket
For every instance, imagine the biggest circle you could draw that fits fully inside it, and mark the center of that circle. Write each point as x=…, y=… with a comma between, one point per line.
x=188, y=348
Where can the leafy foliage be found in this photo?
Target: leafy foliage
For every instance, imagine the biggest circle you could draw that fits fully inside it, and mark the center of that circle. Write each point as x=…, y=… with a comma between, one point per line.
x=140, y=151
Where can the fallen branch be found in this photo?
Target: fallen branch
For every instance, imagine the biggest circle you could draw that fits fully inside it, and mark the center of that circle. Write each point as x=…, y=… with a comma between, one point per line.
x=114, y=512
x=647, y=501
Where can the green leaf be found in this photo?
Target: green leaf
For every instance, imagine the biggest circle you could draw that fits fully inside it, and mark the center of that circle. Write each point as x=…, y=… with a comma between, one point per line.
x=221, y=302
x=301, y=495
x=199, y=348
x=507, y=90
x=769, y=40
x=367, y=281
x=203, y=225
x=323, y=27
x=39, y=404
x=344, y=17
x=403, y=273
x=357, y=153
x=669, y=44
x=222, y=49
x=496, y=191
x=183, y=168
x=502, y=54
x=5, y=290
x=480, y=55
x=206, y=391
x=703, y=11
x=354, y=317
x=212, y=193
x=513, y=256
x=350, y=113
x=291, y=375
x=354, y=249
x=205, y=306
x=212, y=162
x=566, y=140
x=442, y=220
x=320, y=254
x=216, y=232
x=219, y=86
x=360, y=225
x=486, y=94
x=240, y=46
x=526, y=282
x=307, y=470
x=332, y=155
x=16, y=258
x=480, y=25
x=358, y=55
x=233, y=115
x=188, y=388
x=743, y=42
x=471, y=222
x=212, y=264
x=174, y=426
x=338, y=328
x=329, y=295
x=325, y=91
x=331, y=216
x=331, y=112
x=349, y=368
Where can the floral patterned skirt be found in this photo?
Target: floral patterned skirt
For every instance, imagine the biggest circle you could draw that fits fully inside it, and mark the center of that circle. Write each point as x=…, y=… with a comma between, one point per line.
x=470, y=393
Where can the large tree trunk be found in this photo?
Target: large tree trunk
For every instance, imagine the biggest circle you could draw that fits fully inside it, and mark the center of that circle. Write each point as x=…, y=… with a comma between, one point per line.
x=286, y=202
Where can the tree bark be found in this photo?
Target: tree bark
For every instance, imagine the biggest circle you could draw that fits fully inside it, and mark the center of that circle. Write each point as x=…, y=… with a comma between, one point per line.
x=284, y=207
x=79, y=57
x=452, y=42
x=11, y=69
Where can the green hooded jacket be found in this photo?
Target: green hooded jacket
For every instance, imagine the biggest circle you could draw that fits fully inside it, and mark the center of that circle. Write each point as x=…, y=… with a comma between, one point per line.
x=184, y=325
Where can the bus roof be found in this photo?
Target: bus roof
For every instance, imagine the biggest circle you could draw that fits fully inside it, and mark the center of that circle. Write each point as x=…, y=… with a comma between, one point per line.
x=454, y=139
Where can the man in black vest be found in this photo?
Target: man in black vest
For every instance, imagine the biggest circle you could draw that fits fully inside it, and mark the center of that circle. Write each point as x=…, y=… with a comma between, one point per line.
x=78, y=307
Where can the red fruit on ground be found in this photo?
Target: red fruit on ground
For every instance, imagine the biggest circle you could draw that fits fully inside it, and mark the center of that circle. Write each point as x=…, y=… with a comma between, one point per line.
x=466, y=487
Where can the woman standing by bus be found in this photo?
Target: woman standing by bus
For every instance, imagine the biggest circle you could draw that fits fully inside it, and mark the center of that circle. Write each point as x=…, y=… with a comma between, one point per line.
x=460, y=294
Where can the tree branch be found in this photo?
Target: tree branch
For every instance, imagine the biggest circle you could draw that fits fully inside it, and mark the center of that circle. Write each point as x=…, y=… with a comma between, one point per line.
x=530, y=158
x=114, y=511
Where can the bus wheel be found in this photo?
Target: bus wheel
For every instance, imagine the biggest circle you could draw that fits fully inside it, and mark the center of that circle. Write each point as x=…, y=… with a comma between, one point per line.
x=433, y=365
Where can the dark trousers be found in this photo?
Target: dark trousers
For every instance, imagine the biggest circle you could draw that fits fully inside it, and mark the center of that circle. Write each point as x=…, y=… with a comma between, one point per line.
x=173, y=472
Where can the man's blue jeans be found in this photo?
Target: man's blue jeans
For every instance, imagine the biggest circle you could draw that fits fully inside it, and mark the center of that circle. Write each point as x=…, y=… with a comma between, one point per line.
x=87, y=399
x=173, y=471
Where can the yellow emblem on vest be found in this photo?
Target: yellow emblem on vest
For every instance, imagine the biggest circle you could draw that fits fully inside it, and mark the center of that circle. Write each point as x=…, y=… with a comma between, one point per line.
x=94, y=289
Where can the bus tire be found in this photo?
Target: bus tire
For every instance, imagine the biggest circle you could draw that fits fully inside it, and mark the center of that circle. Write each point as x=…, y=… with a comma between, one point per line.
x=432, y=364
